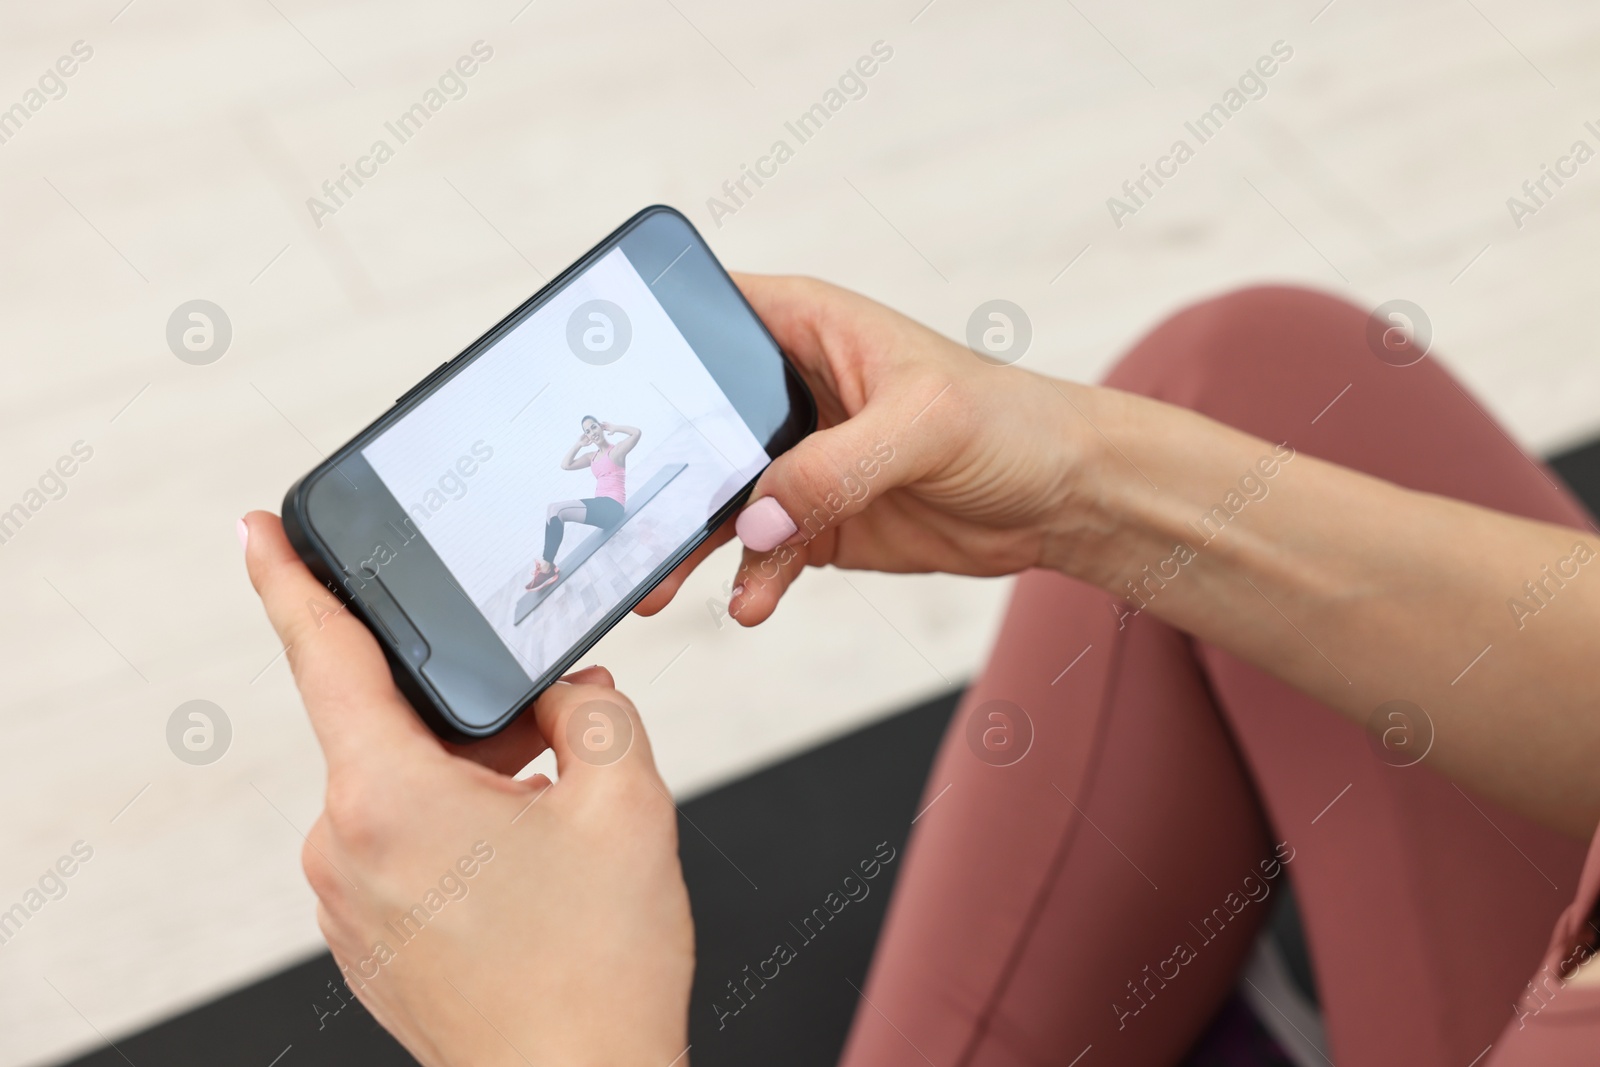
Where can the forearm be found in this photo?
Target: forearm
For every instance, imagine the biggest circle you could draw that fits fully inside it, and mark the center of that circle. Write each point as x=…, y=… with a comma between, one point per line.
x=1354, y=591
x=631, y=438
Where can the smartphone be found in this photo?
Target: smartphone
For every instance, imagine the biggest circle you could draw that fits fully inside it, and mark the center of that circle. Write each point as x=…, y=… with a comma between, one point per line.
x=517, y=503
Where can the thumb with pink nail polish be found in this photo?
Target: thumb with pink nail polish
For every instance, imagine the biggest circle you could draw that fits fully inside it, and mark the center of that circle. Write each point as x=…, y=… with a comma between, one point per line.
x=764, y=525
x=826, y=479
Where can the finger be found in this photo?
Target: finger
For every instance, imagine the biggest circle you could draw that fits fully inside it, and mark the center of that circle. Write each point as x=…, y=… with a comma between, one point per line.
x=519, y=744
x=594, y=674
x=828, y=477
x=508, y=751
x=662, y=594
x=349, y=694
x=763, y=580
x=880, y=371
x=592, y=729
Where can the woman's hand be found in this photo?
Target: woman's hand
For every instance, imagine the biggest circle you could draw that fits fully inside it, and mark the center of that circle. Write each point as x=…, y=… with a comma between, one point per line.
x=1350, y=589
x=481, y=919
x=926, y=458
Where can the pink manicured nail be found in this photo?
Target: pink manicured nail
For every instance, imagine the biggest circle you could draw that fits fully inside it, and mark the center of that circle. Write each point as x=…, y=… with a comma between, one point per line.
x=738, y=591
x=764, y=525
x=244, y=533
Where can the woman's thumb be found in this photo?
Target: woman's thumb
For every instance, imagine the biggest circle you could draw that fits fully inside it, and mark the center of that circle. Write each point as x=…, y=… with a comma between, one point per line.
x=826, y=478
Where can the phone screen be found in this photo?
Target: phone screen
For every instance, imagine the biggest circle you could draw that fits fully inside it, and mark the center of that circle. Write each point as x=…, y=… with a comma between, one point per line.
x=568, y=461
x=517, y=502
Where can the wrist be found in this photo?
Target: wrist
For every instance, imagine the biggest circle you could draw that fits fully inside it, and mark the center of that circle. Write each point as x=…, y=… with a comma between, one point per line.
x=1096, y=523
x=1144, y=470
x=1155, y=485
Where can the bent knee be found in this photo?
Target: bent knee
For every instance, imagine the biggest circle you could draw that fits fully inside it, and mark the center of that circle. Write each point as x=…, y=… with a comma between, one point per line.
x=1260, y=334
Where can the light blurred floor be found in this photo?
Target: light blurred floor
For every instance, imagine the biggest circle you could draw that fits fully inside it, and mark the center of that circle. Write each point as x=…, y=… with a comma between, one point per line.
x=178, y=164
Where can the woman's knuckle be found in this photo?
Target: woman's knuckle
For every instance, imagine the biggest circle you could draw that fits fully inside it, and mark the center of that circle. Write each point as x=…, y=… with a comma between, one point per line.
x=319, y=871
x=355, y=818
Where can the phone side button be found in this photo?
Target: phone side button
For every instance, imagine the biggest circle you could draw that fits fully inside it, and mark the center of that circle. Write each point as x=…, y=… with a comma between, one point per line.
x=429, y=380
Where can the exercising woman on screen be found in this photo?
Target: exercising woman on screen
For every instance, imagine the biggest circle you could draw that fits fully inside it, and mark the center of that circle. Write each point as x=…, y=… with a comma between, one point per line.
x=604, y=509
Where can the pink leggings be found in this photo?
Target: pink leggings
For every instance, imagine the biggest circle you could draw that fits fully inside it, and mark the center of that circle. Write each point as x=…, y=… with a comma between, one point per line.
x=1102, y=892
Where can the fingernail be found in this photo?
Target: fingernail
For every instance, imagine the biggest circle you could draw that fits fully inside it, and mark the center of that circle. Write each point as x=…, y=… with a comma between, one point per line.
x=738, y=591
x=244, y=533
x=764, y=525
